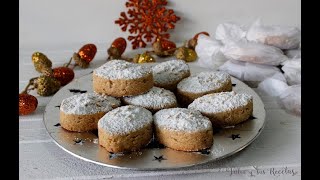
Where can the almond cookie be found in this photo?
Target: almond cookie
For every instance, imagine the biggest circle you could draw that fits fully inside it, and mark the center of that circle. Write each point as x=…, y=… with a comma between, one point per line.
x=200, y=84
x=225, y=108
x=124, y=129
x=154, y=100
x=168, y=74
x=82, y=112
x=183, y=129
x=121, y=78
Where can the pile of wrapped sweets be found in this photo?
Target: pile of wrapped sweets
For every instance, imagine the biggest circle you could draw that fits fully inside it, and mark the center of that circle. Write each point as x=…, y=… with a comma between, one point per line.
x=265, y=57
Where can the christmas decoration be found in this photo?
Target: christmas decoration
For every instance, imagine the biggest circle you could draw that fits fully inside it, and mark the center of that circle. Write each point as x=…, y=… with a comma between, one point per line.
x=148, y=20
x=163, y=48
x=143, y=58
x=186, y=54
x=85, y=55
x=117, y=48
x=27, y=104
x=47, y=85
x=41, y=62
x=192, y=43
x=63, y=74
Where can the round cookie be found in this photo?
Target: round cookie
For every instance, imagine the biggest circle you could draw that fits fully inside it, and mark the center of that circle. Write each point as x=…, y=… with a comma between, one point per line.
x=82, y=112
x=200, y=84
x=168, y=74
x=121, y=78
x=225, y=108
x=183, y=129
x=154, y=100
x=127, y=128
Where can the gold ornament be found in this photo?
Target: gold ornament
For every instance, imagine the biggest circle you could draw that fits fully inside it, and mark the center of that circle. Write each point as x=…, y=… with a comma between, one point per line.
x=41, y=62
x=79, y=61
x=191, y=55
x=143, y=58
x=47, y=85
x=186, y=54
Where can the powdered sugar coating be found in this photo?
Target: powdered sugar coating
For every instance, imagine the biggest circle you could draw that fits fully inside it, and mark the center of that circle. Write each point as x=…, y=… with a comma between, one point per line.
x=120, y=69
x=125, y=119
x=220, y=102
x=88, y=103
x=181, y=119
x=204, y=82
x=170, y=71
x=155, y=98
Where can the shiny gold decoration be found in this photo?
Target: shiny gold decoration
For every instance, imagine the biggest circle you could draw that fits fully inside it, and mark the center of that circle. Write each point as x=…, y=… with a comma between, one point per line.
x=186, y=54
x=41, y=62
x=143, y=58
x=47, y=85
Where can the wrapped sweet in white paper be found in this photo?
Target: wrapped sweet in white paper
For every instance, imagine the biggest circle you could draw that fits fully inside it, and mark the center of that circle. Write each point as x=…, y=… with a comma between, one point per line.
x=227, y=32
x=292, y=71
x=249, y=72
x=273, y=86
x=254, y=53
x=290, y=99
x=293, y=53
x=278, y=36
x=209, y=54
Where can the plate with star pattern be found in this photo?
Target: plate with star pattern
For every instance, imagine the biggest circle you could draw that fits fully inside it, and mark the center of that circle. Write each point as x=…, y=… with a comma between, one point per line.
x=155, y=156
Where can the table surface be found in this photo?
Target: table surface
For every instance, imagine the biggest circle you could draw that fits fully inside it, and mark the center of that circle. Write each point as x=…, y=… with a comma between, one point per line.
x=275, y=154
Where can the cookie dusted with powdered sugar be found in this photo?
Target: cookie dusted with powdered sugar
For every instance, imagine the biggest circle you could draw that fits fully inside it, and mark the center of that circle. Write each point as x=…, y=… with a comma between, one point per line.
x=121, y=78
x=168, y=74
x=183, y=129
x=127, y=128
x=154, y=100
x=200, y=84
x=82, y=112
x=225, y=108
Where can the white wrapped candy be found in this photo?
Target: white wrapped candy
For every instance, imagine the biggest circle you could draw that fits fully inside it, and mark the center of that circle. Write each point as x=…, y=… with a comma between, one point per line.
x=227, y=32
x=209, y=54
x=290, y=99
x=278, y=36
x=249, y=72
x=254, y=53
x=292, y=71
x=273, y=86
x=293, y=53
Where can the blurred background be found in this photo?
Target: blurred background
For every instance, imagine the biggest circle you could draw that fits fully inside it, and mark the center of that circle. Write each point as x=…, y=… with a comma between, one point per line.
x=59, y=24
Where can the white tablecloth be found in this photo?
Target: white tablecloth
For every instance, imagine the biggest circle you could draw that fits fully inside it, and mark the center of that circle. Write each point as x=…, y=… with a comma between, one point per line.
x=275, y=154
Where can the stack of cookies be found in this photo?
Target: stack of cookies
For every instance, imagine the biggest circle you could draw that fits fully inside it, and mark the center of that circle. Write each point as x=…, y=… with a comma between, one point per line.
x=132, y=103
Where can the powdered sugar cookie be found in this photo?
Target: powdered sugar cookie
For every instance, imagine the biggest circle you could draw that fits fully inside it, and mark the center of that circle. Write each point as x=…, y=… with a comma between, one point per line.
x=121, y=78
x=154, y=100
x=225, y=108
x=127, y=128
x=168, y=74
x=200, y=84
x=183, y=129
x=82, y=112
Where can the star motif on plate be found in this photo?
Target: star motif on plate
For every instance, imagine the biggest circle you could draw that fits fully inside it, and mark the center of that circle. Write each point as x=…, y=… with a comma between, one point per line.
x=234, y=136
x=159, y=159
x=78, y=141
x=58, y=124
